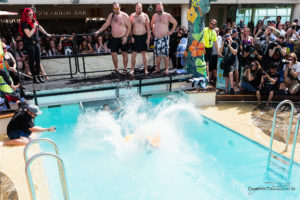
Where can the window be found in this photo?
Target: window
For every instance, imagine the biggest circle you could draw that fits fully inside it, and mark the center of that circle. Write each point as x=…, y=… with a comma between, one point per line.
x=244, y=14
x=260, y=13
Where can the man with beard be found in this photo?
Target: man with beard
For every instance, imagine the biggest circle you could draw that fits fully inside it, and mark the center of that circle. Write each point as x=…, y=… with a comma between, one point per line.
x=120, y=30
x=160, y=28
x=140, y=36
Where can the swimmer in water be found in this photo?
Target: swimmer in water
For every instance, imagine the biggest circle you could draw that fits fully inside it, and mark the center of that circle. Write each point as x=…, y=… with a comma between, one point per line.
x=153, y=140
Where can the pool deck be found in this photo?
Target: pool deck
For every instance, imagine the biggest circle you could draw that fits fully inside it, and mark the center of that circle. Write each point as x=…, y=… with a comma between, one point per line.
x=13, y=166
x=12, y=162
x=243, y=123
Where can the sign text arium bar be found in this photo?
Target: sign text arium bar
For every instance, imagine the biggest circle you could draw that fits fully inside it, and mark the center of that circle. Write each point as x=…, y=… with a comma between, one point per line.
x=62, y=13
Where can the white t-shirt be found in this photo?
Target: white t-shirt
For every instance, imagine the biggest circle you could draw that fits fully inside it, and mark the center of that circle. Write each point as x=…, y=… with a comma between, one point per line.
x=296, y=68
x=282, y=32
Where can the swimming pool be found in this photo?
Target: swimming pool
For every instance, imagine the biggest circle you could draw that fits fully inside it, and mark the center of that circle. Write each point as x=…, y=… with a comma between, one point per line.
x=197, y=157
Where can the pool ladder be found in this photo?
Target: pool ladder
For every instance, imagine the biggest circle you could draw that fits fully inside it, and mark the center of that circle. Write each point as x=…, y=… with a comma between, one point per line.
x=60, y=164
x=291, y=161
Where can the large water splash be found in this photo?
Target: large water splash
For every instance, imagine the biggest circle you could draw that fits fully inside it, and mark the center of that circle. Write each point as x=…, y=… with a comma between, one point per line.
x=175, y=160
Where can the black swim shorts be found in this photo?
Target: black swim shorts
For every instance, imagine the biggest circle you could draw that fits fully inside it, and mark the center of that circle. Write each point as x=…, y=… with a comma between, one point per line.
x=139, y=43
x=116, y=44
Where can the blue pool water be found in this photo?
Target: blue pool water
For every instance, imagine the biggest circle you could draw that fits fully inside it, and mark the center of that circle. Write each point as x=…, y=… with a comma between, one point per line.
x=197, y=158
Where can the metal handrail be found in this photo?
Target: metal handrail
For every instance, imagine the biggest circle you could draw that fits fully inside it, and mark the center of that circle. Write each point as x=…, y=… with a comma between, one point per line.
x=273, y=127
x=56, y=153
x=37, y=141
x=29, y=177
x=294, y=147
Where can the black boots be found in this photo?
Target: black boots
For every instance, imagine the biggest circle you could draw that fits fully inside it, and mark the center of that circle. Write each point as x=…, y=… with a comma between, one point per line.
x=40, y=78
x=35, y=80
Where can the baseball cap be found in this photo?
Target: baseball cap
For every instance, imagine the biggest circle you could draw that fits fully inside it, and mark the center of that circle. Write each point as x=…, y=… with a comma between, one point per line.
x=233, y=31
x=34, y=109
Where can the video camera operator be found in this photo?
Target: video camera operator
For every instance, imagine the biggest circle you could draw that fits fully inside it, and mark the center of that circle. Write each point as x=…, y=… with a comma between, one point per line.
x=268, y=84
x=229, y=61
x=292, y=73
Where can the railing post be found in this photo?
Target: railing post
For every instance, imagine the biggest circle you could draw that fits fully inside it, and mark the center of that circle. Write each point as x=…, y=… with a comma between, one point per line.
x=83, y=63
x=70, y=65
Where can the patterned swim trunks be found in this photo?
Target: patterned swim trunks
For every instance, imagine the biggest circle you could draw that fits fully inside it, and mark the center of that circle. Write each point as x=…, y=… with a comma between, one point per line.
x=161, y=46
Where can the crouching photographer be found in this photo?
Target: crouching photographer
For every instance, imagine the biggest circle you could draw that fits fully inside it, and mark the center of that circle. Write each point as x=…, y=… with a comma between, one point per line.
x=251, y=77
x=268, y=84
x=228, y=63
x=292, y=73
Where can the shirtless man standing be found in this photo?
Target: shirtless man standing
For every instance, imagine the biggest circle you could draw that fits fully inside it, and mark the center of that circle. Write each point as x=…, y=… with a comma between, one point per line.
x=120, y=30
x=159, y=24
x=140, y=35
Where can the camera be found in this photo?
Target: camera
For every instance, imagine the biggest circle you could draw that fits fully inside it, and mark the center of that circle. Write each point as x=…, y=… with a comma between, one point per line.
x=264, y=73
x=273, y=45
x=247, y=67
x=284, y=61
x=226, y=42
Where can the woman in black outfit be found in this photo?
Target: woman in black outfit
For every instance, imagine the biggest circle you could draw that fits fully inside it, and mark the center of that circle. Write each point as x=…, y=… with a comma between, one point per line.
x=29, y=29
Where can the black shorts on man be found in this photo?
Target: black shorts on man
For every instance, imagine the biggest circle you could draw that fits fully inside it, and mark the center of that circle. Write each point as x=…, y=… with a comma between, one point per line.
x=116, y=44
x=139, y=43
x=208, y=54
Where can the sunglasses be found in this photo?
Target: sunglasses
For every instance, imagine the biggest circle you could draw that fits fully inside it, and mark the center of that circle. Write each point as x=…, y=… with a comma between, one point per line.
x=30, y=14
x=181, y=33
x=253, y=65
x=4, y=48
x=212, y=24
x=116, y=9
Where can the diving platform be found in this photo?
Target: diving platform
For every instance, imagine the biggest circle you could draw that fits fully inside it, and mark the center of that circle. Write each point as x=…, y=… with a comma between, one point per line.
x=111, y=85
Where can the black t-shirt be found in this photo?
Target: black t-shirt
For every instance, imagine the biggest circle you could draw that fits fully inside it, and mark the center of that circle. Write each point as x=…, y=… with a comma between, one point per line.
x=257, y=74
x=238, y=41
x=228, y=54
x=174, y=41
x=67, y=47
x=20, y=121
x=273, y=76
x=277, y=56
x=33, y=39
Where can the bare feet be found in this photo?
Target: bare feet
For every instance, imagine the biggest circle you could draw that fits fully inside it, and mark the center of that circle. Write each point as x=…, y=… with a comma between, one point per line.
x=131, y=72
x=156, y=71
x=167, y=72
x=146, y=72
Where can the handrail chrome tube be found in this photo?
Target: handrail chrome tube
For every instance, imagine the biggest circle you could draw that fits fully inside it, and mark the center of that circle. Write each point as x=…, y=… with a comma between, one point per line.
x=290, y=126
x=29, y=177
x=43, y=140
x=294, y=146
x=273, y=126
x=37, y=141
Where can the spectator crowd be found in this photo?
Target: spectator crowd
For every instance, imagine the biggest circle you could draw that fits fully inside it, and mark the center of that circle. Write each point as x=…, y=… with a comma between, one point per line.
x=262, y=59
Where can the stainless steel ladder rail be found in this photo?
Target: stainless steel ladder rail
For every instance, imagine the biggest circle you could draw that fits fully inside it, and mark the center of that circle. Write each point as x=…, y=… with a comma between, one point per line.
x=59, y=163
x=294, y=147
x=273, y=127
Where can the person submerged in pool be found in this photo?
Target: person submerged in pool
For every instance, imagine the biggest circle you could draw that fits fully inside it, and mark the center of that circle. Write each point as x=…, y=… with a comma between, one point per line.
x=152, y=141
